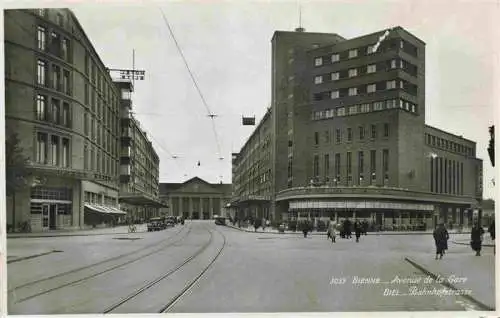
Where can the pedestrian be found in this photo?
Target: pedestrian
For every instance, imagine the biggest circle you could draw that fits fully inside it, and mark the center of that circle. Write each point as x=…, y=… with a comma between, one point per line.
x=365, y=227
x=441, y=237
x=305, y=228
x=357, y=229
x=491, y=229
x=331, y=231
x=476, y=238
x=347, y=228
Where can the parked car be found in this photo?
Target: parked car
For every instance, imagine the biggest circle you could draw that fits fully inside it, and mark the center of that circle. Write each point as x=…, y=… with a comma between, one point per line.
x=156, y=224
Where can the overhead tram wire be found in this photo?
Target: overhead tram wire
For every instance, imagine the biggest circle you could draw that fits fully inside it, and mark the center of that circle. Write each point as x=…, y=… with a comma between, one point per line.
x=210, y=114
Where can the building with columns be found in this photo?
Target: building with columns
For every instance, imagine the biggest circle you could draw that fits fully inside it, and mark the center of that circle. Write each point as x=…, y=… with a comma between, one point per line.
x=195, y=199
x=346, y=137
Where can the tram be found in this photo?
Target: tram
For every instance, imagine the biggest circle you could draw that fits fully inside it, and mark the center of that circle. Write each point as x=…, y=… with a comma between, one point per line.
x=219, y=220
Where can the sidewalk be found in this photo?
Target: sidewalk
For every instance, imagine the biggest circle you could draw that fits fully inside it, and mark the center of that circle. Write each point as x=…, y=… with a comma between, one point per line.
x=479, y=272
x=487, y=242
x=251, y=229
x=97, y=231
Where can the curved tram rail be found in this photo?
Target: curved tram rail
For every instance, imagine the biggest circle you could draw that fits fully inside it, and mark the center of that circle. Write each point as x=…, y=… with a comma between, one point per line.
x=179, y=295
x=87, y=277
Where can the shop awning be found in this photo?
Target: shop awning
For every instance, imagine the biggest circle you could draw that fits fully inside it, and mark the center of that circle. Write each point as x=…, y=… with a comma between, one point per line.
x=104, y=209
x=142, y=200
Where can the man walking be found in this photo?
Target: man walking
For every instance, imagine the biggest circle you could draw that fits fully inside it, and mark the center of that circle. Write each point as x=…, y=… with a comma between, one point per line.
x=441, y=237
x=491, y=229
x=357, y=229
x=476, y=238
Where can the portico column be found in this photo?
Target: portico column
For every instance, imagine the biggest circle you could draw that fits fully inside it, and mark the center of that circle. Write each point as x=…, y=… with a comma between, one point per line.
x=399, y=218
x=336, y=217
x=190, y=209
x=181, y=211
x=353, y=214
x=211, y=208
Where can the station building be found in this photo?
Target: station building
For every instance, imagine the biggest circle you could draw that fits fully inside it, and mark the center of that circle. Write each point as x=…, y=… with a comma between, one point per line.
x=347, y=138
x=64, y=108
x=195, y=199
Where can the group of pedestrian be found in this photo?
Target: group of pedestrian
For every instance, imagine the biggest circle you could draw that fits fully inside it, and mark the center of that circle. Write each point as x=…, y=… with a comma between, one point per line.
x=345, y=229
x=441, y=238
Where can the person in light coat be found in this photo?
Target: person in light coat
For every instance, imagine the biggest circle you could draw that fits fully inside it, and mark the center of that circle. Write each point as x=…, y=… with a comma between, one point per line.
x=331, y=234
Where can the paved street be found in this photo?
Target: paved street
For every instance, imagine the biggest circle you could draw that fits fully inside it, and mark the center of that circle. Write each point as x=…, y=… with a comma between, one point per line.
x=255, y=272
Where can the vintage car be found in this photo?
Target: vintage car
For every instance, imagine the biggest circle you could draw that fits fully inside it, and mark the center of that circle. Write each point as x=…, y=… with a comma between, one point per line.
x=156, y=224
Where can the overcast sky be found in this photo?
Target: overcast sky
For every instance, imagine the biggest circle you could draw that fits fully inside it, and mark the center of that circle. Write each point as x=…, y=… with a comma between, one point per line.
x=227, y=46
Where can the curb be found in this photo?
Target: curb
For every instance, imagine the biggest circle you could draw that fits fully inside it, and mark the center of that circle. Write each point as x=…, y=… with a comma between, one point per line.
x=482, y=245
x=30, y=256
x=451, y=286
x=64, y=235
x=324, y=233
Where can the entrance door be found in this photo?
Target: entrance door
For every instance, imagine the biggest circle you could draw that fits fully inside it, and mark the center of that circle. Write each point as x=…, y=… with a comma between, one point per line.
x=53, y=216
x=45, y=217
x=378, y=219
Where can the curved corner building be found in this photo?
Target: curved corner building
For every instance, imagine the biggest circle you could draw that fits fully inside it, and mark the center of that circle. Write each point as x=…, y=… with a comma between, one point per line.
x=347, y=137
x=63, y=106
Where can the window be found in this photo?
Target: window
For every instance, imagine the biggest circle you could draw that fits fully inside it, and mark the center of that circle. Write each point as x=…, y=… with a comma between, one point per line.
x=391, y=103
x=378, y=105
x=66, y=115
x=401, y=44
x=65, y=49
x=55, y=44
x=66, y=82
x=316, y=166
x=353, y=72
x=353, y=53
x=401, y=64
x=335, y=58
x=348, y=163
x=55, y=110
x=318, y=79
x=327, y=166
x=361, y=132
x=86, y=92
x=41, y=107
x=41, y=148
x=65, y=152
x=42, y=38
x=318, y=61
x=374, y=131
x=56, y=77
x=337, y=167
x=371, y=68
x=370, y=49
x=391, y=84
x=353, y=91
x=353, y=110
x=413, y=108
x=386, y=130
x=327, y=136
x=87, y=64
x=86, y=124
x=316, y=138
x=361, y=163
x=365, y=108
x=349, y=134
x=385, y=163
x=41, y=12
x=335, y=76
x=371, y=88
x=54, y=150
x=341, y=111
x=334, y=94
x=60, y=19
x=41, y=72
x=337, y=135
x=393, y=64
x=373, y=167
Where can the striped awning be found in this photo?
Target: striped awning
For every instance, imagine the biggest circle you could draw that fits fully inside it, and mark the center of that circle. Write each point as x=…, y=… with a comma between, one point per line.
x=104, y=209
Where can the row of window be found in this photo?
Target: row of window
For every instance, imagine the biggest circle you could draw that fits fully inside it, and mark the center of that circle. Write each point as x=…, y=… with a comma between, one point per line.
x=52, y=149
x=367, y=69
x=366, y=50
x=105, y=109
x=43, y=12
x=56, y=44
x=58, y=79
x=448, y=145
x=91, y=197
x=96, y=160
x=446, y=176
x=364, y=108
x=58, y=113
x=367, y=89
x=349, y=134
x=98, y=133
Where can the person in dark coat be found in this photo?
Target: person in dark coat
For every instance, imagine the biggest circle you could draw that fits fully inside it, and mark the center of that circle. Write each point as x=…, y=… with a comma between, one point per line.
x=441, y=237
x=357, y=229
x=476, y=238
x=491, y=229
x=364, y=225
x=347, y=228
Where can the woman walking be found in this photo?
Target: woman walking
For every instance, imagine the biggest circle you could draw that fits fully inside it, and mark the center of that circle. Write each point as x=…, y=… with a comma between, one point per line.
x=476, y=238
x=441, y=237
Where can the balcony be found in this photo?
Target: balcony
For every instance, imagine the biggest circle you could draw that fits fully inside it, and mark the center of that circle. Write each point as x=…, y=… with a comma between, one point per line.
x=125, y=152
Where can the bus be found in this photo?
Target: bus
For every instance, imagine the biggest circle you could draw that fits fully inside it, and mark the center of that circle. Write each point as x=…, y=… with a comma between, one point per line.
x=219, y=220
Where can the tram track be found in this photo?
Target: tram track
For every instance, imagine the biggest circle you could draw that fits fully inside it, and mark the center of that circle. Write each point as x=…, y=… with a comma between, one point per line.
x=155, y=282
x=60, y=276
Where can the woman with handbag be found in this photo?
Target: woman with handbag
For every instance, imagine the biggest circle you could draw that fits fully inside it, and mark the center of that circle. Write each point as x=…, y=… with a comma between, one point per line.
x=476, y=238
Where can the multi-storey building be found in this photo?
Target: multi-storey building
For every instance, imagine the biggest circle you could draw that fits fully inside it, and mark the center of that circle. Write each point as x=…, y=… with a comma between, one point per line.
x=349, y=139
x=64, y=107
x=252, y=173
x=139, y=163
x=195, y=199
